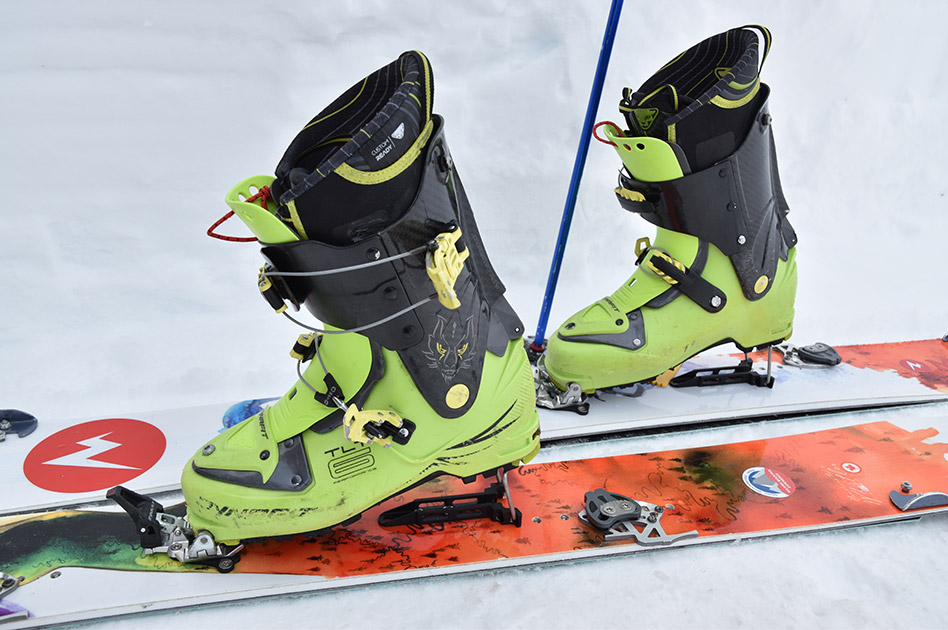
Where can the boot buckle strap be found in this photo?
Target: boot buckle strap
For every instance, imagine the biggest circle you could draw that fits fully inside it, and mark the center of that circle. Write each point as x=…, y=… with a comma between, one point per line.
x=687, y=280
x=667, y=277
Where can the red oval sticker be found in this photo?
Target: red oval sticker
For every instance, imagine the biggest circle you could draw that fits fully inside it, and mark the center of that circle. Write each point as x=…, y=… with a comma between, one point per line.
x=94, y=455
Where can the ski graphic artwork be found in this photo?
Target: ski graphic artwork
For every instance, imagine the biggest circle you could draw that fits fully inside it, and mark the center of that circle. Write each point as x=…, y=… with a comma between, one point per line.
x=829, y=479
x=149, y=450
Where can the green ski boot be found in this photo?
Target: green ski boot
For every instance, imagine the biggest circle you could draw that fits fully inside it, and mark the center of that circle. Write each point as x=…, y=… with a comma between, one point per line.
x=699, y=163
x=420, y=370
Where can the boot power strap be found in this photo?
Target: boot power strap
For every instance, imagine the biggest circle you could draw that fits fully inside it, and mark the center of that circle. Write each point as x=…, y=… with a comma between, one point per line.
x=686, y=280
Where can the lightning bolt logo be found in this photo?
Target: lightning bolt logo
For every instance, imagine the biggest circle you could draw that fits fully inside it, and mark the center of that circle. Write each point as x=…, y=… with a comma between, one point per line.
x=94, y=447
x=914, y=365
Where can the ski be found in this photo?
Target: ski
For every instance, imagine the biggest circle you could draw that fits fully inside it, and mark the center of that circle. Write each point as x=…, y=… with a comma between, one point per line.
x=836, y=478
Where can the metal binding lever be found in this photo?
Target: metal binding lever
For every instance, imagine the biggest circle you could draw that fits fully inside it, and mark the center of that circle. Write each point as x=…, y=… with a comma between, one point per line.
x=458, y=507
x=622, y=518
x=165, y=533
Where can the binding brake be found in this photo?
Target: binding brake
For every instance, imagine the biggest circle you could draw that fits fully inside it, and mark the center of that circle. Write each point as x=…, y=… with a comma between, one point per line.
x=458, y=507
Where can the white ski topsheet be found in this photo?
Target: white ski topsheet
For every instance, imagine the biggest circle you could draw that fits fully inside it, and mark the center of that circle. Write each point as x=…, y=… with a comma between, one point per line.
x=69, y=462
x=72, y=594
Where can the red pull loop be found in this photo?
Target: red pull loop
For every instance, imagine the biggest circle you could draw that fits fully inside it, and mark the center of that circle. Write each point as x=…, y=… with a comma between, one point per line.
x=263, y=195
x=603, y=140
x=224, y=237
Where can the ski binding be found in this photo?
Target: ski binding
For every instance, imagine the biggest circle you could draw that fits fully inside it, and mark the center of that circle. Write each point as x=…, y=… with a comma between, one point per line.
x=16, y=421
x=906, y=502
x=817, y=355
x=549, y=396
x=622, y=518
x=166, y=533
x=458, y=507
x=8, y=584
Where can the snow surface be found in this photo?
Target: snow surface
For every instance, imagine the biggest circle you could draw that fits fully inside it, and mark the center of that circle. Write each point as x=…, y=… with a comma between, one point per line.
x=124, y=123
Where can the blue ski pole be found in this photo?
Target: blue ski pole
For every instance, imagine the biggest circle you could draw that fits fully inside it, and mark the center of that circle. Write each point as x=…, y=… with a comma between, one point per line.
x=604, y=54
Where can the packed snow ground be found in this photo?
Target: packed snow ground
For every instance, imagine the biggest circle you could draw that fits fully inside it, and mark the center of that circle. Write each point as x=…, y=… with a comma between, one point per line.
x=124, y=123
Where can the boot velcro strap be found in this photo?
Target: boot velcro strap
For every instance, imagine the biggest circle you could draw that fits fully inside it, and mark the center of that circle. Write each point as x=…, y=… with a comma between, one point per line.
x=689, y=282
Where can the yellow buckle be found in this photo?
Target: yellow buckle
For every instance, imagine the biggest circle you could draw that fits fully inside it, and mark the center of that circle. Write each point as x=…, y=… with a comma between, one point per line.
x=357, y=425
x=269, y=291
x=444, y=263
x=671, y=260
x=642, y=245
x=305, y=347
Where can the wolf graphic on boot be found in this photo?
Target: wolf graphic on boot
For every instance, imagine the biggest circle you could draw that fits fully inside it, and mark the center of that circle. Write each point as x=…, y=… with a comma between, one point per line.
x=448, y=345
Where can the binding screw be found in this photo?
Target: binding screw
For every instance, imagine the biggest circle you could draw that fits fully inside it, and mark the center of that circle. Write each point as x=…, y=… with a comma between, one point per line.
x=207, y=450
x=264, y=454
x=741, y=240
x=570, y=326
x=537, y=519
x=636, y=342
x=296, y=480
x=373, y=254
x=5, y=425
x=716, y=301
x=608, y=509
x=906, y=486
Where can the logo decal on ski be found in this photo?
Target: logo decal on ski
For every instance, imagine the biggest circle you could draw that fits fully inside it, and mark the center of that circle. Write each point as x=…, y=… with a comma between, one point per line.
x=94, y=455
x=768, y=482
